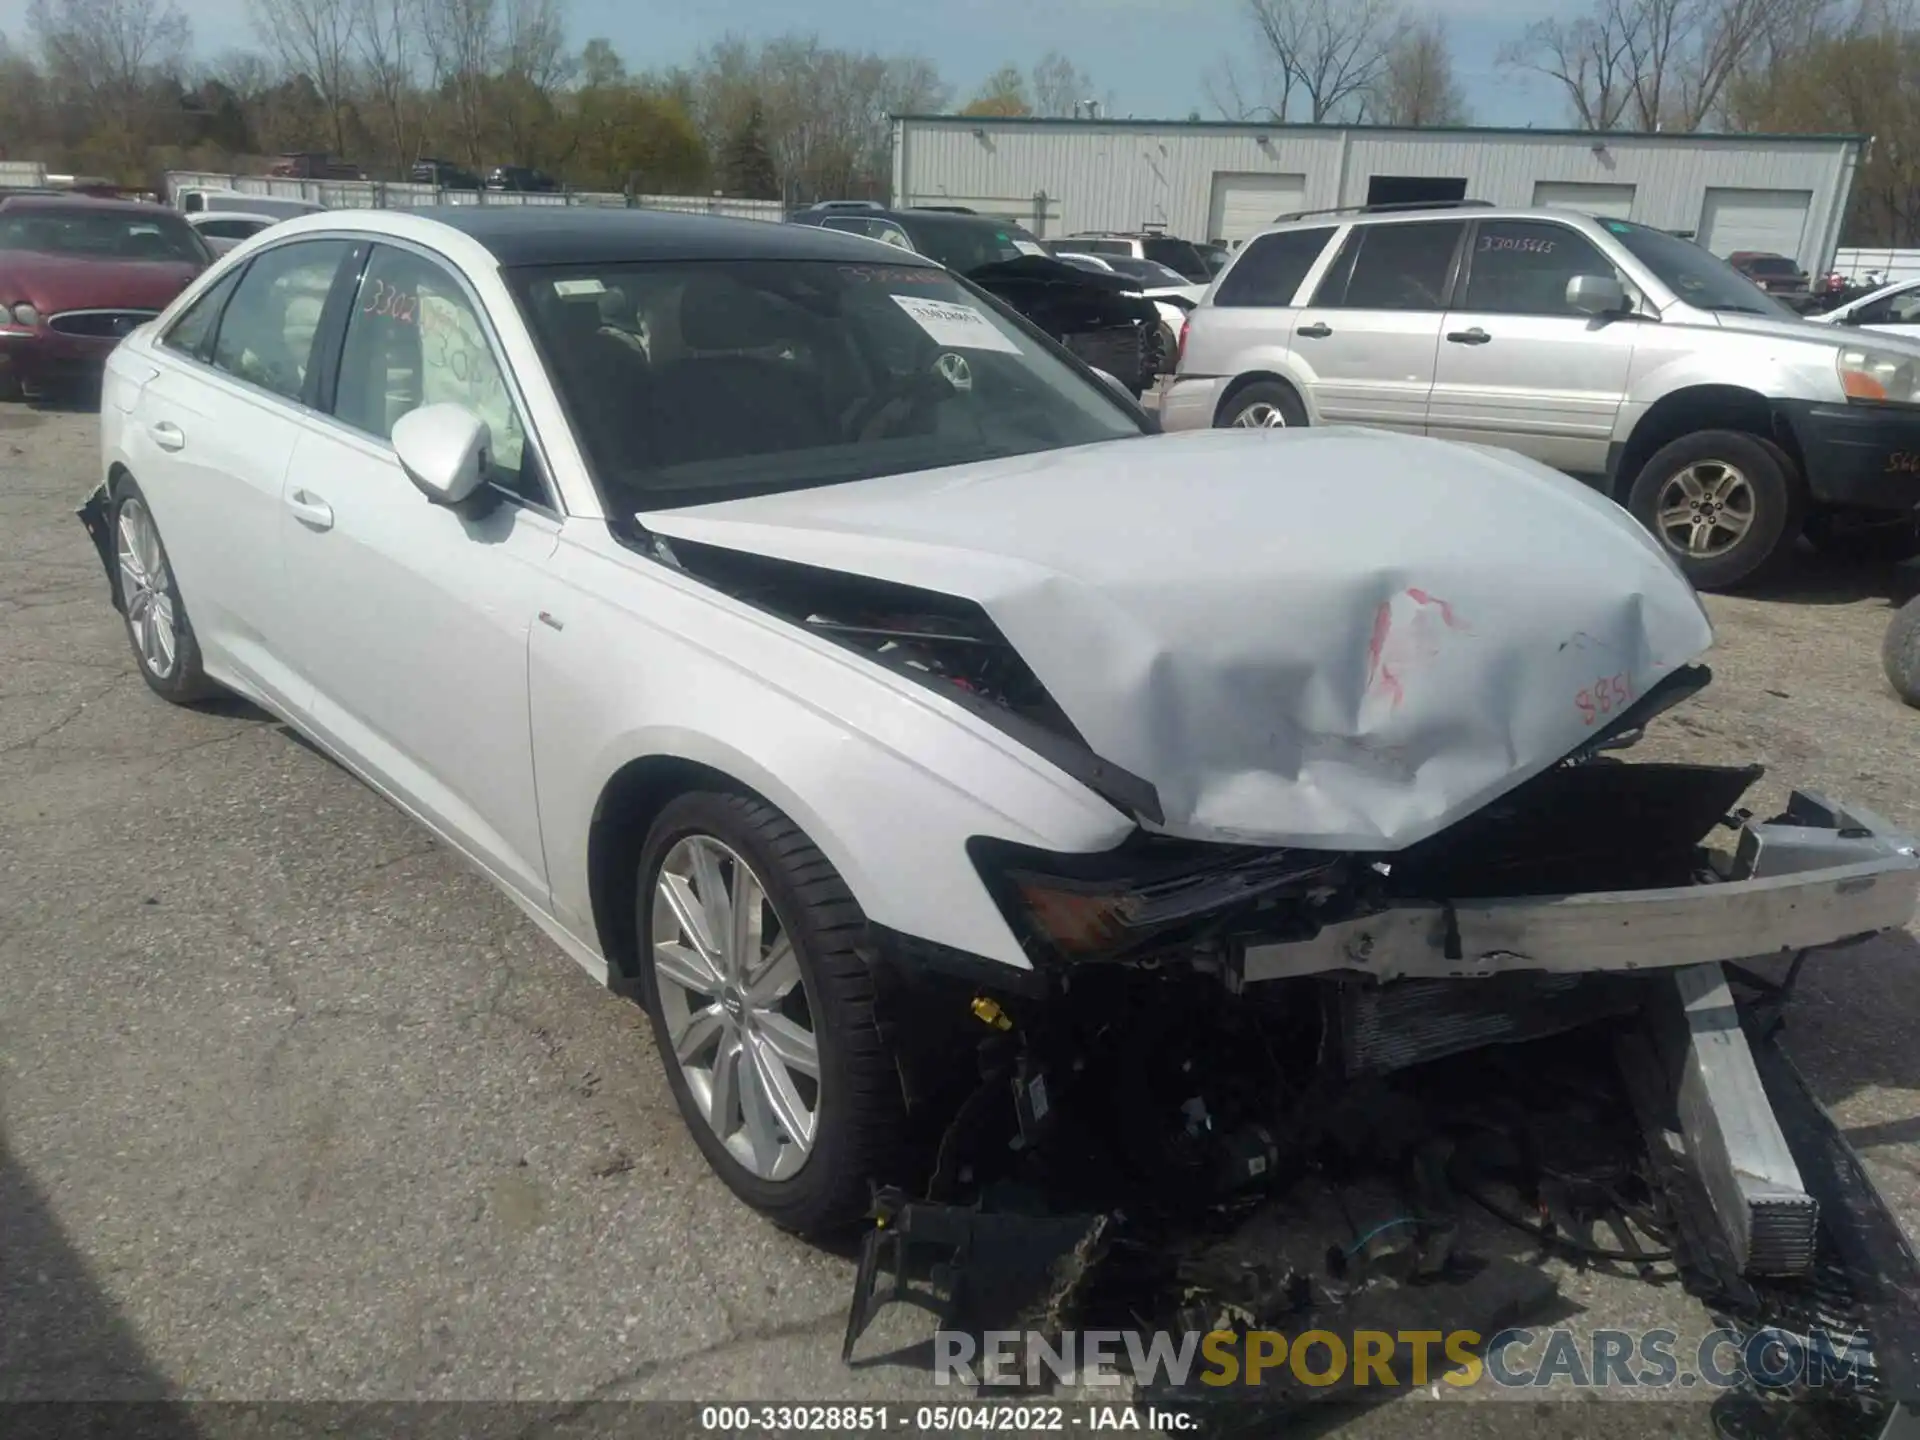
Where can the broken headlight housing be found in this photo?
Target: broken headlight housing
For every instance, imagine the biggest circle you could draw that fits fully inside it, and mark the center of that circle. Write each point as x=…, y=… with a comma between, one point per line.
x=1150, y=890
x=1879, y=377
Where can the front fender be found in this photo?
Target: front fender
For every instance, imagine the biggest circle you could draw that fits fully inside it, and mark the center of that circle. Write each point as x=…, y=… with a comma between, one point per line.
x=887, y=783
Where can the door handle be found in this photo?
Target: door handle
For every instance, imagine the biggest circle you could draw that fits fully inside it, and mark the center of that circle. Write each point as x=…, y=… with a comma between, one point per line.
x=310, y=510
x=1319, y=330
x=167, y=435
x=1475, y=336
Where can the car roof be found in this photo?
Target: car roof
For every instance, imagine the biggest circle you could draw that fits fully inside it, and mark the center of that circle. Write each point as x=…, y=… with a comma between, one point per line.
x=82, y=202
x=1334, y=219
x=585, y=235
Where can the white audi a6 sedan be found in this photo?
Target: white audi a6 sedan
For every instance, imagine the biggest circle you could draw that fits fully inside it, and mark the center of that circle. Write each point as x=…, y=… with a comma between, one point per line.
x=827, y=659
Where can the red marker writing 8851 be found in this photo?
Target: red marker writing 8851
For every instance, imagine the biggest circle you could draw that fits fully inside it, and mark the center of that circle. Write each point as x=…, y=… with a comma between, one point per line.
x=1606, y=696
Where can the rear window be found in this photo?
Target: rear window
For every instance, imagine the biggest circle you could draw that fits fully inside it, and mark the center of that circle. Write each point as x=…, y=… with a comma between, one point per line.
x=1400, y=266
x=1272, y=268
x=965, y=245
x=1772, y=265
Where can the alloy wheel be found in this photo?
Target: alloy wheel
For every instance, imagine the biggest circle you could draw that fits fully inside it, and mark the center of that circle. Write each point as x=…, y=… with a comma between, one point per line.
x=735, y=1007
x=146, y=588
x=1260, y=416
x=1706, y=509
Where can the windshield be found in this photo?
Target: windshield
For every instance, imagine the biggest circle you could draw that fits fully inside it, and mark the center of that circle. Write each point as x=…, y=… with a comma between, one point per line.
x=1182, y=256
x=697, y=381
x=1215, y=258
x=102, y=235
x=1697, y=276
x=964, y=244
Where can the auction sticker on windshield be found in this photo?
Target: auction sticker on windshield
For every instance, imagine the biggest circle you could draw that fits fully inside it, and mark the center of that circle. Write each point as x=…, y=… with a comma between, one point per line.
x=960, y=326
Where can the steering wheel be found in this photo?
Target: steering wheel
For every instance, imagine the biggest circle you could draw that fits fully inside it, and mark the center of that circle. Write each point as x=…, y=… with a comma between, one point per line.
x=909, y=394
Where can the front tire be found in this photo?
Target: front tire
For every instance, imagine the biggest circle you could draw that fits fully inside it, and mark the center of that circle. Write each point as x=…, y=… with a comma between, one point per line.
x=1726, y=505
x=1900, y=653
x=1263, y=405
x=156, y=617
x=763, y=1010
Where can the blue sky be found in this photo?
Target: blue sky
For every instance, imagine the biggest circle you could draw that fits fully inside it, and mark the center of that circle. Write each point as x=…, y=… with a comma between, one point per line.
x=1151, y=55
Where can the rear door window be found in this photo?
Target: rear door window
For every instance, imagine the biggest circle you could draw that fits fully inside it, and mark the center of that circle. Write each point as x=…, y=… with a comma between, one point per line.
x=1521, y=267
x=267, y=333
x=1401, y=266
x=1271, y=269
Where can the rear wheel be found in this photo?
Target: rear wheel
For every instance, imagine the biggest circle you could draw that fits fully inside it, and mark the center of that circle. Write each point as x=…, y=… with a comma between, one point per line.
x=1264, y=405
x=1726, y=505
x=156, y=618
x=764, y=1011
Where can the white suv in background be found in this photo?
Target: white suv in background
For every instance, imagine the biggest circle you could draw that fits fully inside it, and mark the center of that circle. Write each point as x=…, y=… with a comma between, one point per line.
x=1610, y=350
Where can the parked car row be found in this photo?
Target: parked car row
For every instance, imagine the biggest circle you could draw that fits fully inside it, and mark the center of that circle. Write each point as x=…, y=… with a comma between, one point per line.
x=1729, y=425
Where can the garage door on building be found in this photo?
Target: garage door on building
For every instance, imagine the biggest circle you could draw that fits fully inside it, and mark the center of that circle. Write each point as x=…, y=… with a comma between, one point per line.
x=1613, y=201
x=1245, y=204
x=1770, y=220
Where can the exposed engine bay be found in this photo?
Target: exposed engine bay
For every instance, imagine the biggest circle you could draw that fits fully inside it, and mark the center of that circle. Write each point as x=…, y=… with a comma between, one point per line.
x=1103, y=319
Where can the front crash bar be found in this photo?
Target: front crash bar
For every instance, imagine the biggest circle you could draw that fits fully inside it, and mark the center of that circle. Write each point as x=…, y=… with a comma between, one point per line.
x=1819, y=876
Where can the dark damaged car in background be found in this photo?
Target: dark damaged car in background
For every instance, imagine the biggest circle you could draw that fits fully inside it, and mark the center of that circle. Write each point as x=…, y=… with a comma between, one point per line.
x=1103, y=319
x=77, y=276
x=1063, y=841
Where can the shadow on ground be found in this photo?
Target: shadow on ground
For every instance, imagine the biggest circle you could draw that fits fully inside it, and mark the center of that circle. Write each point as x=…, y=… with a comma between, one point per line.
x=1816, y=579
x=61, y=1338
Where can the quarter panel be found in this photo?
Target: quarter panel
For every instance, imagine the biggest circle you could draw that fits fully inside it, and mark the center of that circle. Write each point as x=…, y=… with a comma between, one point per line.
x=885, y=778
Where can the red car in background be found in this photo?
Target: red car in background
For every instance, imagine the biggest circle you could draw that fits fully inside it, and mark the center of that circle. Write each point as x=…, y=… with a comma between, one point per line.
x=79, y=275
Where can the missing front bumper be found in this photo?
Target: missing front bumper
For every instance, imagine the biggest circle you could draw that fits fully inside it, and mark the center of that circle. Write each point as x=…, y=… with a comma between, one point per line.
x=1820, y=874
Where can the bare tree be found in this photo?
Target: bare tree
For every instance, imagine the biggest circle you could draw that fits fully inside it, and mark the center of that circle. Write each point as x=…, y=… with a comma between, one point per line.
x=1058, y=86
x=107, y=52
x=1238, y=98
x=1656, y=64
x=459, y=37
x=1330, y=52
x=314, y=38
x=1417, y=86
x=388, y=40
x=533, y=44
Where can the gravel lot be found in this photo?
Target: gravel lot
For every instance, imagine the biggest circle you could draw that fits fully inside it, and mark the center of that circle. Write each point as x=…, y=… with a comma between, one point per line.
x=294, y=1106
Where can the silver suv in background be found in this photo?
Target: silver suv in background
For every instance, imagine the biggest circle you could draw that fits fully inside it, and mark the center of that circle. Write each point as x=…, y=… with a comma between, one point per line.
x=1613, y=351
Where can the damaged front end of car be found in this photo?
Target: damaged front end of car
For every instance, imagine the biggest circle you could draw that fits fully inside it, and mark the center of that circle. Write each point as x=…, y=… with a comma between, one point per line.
x=1272, y=1091
x=1255, y=1088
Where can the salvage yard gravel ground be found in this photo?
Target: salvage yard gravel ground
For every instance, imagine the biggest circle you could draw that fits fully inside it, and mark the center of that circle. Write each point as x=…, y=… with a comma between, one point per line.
x=295, y=1106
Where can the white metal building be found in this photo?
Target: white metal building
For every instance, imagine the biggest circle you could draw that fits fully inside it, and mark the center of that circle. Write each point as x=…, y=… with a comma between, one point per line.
x=1223, y=181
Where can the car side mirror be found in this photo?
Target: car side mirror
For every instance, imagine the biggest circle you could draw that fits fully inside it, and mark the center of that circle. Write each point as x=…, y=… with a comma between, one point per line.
x=1596, y=294
x=443, y=448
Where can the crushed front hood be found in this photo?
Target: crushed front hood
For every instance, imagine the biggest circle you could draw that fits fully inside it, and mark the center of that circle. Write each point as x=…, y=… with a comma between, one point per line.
x=1336, y=639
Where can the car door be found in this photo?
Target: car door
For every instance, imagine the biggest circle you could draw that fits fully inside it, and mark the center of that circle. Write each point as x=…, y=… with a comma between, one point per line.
x=417, y=616
x=1518, y=366
x=1898, y=313
x=210, y=437
x=1247, y=325
x=1365, y=346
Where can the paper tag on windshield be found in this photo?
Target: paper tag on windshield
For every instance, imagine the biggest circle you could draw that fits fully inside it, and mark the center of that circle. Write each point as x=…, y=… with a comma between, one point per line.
x=959, y=326
x=1027, y=247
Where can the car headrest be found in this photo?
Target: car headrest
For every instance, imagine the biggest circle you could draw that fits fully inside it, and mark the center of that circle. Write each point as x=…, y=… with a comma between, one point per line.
x=718, y=313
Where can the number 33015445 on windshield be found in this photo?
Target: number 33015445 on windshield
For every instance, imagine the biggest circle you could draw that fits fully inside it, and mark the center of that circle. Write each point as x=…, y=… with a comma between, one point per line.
x=1606, y=696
